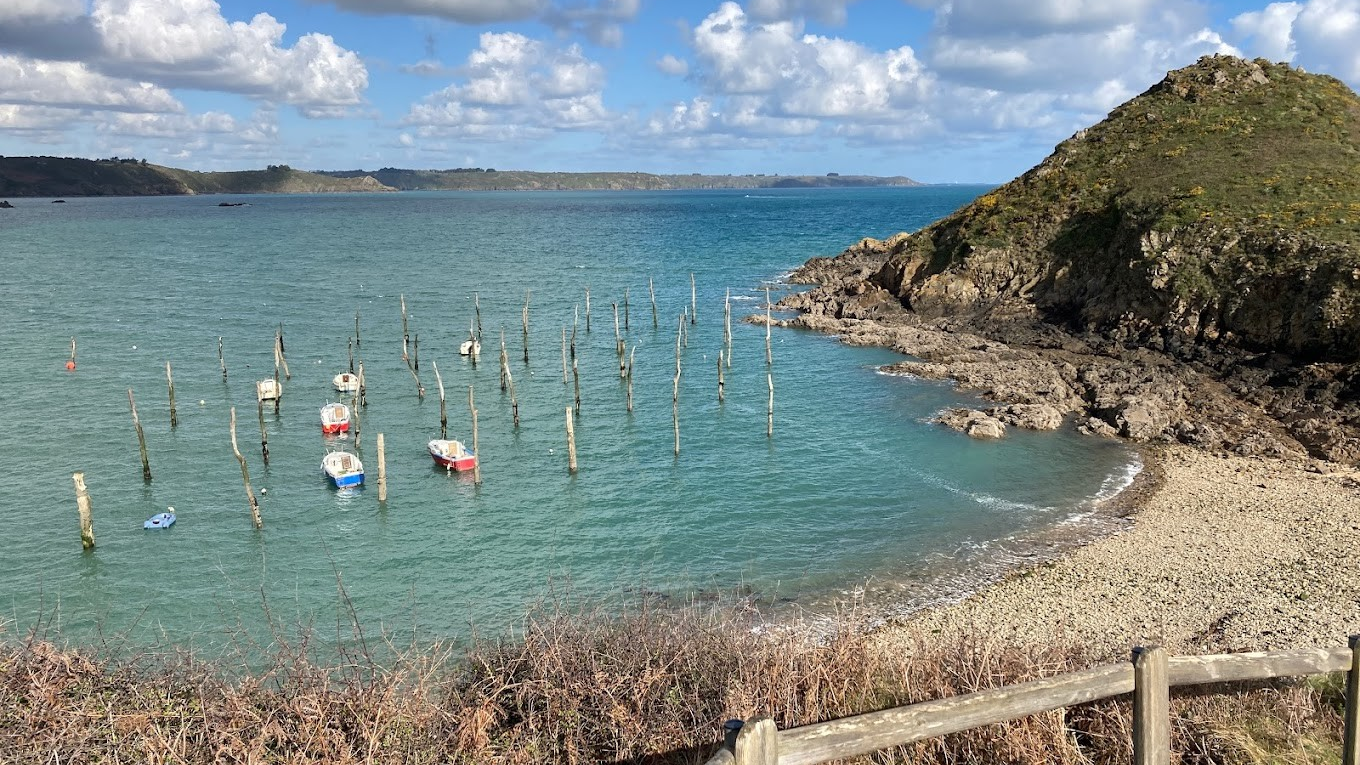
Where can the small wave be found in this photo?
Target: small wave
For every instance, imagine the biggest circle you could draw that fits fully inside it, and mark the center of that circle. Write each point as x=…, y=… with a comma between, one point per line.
x=765, y=196
x=744, y=297
x=1119, y=480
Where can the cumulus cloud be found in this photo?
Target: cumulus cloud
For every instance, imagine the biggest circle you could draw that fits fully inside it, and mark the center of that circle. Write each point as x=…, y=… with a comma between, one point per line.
x=676, y=67
x=1268, y=32
x=462, y=11
x=1038, y=17
x=515, y=88
x=18, y=117
x=601, y=22
x=827, y=11
x=72, y=84
x=1326, y=33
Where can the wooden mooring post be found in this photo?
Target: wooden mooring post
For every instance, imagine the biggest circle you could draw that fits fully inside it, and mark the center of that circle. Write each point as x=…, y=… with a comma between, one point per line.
x=720, y=376
x=476, y=466
x=245, y=475
x=505, y=364
x=283, y=357
x=382, y=469
x=587, y=310
x=477, y=310
x=632, y=356
x=514, y=402
x=625, y=309
x=571, y=443
x=170, y=383
x=576, y=384
x=652, y=291
x=264, y=434
x=443, y=410
x=221, y=361
x=525, y=316
x=141, y=438
x=83, y=507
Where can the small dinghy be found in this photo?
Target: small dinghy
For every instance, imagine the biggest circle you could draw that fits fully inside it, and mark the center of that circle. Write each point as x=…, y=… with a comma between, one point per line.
x=346, y=382
x=161, y=520
x=334, y=419
x=344, y=469
x=268, y=390
x=471, y=346
x=451, y=454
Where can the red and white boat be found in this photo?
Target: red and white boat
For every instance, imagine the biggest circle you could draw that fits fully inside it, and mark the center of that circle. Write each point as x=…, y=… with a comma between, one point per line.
x=452, y=455
x=334, y=419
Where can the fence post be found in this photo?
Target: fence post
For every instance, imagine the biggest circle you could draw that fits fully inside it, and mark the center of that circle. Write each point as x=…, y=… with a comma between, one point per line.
x=757, y=743
x=1151, y=707
x=1350, y=752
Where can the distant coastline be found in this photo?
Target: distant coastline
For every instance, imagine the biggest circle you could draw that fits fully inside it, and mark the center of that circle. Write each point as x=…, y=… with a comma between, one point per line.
x=117, y=176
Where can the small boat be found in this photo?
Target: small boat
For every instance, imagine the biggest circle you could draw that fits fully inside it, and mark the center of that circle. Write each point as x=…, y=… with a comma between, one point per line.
x=344, y=469
x=161, y=520
x=451, y=454
x=346, y=382
x=334, y=419
x=471, y=346
x=269, y=390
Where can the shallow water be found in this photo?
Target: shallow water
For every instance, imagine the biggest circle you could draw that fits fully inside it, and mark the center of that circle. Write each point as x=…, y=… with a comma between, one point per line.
x=853, y=484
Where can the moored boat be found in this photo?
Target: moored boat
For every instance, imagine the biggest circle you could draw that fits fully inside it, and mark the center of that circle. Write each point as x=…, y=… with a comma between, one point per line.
x=269, y=390
x=334, y=419
x=161, y=520
x=451, y=454
x=344, y=469
x=346, y=382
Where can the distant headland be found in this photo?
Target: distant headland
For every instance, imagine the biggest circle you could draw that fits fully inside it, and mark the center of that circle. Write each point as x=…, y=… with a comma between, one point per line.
x=117, y=176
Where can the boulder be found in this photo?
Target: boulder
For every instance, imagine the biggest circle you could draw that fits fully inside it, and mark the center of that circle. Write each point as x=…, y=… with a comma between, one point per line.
x=973, y=422
x=1029, y=416
x=1141, y=419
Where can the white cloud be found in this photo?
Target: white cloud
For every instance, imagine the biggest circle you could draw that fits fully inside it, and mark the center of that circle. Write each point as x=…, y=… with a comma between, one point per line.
x=828, y=11
x=40, y=11
x=1327, y=35
x=516, y=88
x=1038, y=17
x=38, y=118
x=187, y=43
x=676, y=67
x=72, y=84
x=601, y=22
x=1268, y=32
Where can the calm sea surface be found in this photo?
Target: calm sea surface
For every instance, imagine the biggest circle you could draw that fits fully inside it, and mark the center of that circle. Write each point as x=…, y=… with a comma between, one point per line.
x=855, y=486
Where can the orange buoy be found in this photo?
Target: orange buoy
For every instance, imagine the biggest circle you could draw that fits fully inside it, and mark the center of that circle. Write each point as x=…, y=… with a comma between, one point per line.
x=71, y=365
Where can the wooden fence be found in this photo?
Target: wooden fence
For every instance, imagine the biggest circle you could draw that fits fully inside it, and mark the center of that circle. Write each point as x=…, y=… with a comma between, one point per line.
x=1149, y=676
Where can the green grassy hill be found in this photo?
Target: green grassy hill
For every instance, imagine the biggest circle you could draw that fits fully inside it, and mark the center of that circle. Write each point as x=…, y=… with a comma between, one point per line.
x=70, y=177
x=1221, y=208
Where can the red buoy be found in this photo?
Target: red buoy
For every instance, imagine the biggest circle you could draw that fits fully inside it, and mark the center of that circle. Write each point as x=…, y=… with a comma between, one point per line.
x=71, y=365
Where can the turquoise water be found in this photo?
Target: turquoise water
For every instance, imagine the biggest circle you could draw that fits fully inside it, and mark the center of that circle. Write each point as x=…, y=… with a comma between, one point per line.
x=853, y=485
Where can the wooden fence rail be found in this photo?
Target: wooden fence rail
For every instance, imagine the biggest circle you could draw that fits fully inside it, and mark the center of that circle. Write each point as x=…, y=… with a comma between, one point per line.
x=1149, y=676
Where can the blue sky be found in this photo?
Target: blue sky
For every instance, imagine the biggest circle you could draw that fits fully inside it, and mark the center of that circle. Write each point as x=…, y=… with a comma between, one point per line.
x=938, y=90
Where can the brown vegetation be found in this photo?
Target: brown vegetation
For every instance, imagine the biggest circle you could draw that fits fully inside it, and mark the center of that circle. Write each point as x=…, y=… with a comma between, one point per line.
x=651, y=686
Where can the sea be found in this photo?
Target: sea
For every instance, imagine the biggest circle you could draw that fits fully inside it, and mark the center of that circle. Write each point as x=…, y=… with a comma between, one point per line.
x=849, y=489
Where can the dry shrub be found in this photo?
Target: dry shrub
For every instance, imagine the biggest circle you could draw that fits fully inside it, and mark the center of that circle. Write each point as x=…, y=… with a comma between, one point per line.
x=649, y=685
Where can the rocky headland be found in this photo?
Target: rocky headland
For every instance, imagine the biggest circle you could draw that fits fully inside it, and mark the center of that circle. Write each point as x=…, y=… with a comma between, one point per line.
x=1185, y=272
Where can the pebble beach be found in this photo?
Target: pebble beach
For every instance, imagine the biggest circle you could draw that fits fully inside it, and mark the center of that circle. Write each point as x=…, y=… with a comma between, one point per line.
x=1223, y=554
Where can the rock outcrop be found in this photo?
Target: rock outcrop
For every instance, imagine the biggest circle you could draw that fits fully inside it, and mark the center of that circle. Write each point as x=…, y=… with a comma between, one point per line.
x=1187, y=270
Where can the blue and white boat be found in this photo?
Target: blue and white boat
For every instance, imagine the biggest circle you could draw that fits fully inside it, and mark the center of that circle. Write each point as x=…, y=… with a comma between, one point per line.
x=344, y=469
x=161, y=520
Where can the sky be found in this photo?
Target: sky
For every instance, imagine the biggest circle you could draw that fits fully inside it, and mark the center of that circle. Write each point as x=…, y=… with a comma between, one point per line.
x=943, y=91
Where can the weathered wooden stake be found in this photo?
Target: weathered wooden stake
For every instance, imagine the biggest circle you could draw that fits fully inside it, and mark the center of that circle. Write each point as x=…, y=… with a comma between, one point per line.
x=514, y=402
x=141, y=438
x=757, y=743
x=283, y=358
x=354, y=418
x=693, y=300
x=527, y=293
x=221, y=362
x=405, y=331
x=443, y=412
x=363, y=387
x=769, y=411
x=245, y=475
x=720, y=376
x=576, y=384
x=83, y=506
x=415, y=352
x=618, y=338
x=727, y=318
x=505, y=363
x=1151, y=707
x=564, y=355
x=587, y=310
x=652, y=290
x=631, y=358
x=264, y=434
x=769, y=356
x=382, y=469
x=477, y=467
x=170, y=383
x=571, y=443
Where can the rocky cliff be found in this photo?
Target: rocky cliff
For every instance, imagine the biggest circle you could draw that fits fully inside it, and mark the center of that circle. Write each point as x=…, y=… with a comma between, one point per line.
x=70, y=177
x=1190, y=266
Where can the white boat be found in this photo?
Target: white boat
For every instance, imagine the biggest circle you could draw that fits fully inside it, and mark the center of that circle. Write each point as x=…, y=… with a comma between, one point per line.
x=451, y=454
x=346, y=382
x=344, y=469
x=470, y=347
x=269, y=390
x=334, y=419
